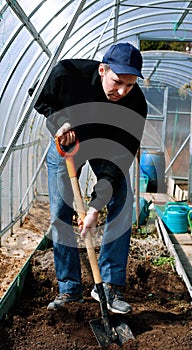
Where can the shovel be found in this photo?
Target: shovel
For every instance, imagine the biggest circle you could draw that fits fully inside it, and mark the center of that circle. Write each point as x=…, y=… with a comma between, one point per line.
x=105, y=332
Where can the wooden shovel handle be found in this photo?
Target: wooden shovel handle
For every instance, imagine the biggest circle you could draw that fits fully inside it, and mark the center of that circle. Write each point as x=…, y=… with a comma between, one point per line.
x=80, y=206
x=110, y=331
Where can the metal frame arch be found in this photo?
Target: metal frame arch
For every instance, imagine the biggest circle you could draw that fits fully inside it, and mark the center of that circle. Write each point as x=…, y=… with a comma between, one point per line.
x=99, y=24
x=164, y=63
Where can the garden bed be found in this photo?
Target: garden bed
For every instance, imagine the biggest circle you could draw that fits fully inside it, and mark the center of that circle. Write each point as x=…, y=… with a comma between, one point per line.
x=162, y=310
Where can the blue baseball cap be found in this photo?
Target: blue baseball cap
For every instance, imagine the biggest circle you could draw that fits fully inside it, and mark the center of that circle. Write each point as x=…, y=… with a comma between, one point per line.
x=124, y=58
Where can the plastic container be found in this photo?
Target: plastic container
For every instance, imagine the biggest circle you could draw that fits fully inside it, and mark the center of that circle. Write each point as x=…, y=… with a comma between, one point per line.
x=152, y=164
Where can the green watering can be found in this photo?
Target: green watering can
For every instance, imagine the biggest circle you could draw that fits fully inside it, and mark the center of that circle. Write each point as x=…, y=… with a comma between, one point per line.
x=177, y=217
x=190, y=220
x=144, y=211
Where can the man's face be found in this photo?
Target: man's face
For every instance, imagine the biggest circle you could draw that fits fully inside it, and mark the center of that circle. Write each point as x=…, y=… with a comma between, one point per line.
x=115, y=85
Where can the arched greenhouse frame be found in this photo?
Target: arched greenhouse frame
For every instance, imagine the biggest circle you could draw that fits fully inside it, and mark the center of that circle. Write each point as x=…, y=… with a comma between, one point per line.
x=35, y=35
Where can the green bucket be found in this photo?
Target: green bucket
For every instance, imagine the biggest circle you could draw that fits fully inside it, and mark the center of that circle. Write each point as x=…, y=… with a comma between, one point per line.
x=143, y=182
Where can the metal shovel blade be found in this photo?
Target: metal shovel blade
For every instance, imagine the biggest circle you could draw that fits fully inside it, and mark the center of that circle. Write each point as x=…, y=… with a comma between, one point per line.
x=122, y=329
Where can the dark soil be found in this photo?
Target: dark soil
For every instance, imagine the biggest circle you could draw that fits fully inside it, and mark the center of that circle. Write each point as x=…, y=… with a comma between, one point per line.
x=161, y=318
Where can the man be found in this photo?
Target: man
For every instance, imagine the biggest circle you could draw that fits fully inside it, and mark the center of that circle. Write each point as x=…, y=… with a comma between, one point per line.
x=98, y=103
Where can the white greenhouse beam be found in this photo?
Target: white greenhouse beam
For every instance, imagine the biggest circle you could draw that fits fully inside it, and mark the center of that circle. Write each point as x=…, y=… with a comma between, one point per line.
x=116, y=21
x=101, y=35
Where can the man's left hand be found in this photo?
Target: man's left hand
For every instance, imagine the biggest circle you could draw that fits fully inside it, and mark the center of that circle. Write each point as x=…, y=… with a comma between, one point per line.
x=89, y=223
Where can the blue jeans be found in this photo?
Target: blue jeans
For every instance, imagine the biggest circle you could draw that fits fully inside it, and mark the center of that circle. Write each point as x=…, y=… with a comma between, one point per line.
x=117, y=231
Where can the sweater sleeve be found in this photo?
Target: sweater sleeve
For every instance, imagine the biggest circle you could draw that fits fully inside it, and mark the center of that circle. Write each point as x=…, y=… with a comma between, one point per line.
x=108, y=176
x=51, y=102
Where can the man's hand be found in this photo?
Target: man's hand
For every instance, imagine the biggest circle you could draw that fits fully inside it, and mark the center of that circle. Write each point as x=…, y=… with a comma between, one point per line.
x=89, y=223
x=65, y=134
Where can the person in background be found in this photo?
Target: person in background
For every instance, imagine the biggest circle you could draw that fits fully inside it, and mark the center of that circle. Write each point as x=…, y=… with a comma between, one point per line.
x=83, y=99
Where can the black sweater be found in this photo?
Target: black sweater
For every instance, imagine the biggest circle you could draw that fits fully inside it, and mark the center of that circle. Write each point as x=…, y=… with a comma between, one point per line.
x=109, y=133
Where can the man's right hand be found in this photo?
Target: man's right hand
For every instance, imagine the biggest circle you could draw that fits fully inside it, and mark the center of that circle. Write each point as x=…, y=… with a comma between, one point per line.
x=65, y=134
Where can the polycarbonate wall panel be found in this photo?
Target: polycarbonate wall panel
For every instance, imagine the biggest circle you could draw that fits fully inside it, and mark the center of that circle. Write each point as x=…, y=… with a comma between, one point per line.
x=175, y=141
x=9, y=23
x=16, y=63
x=12, y=188
x=87, y=31
x=168, y=68
x=162, y=30
x=49, y=33
x=155, y=98
x=18, y=187
x=23, y=62
x=12, y=56
x=177, y=132
x=15, y=98
x=167, y=35
x=47, y=12
x=16, y=69
x=29, y=6
x=5, y=198
x=41, y=184
x=158, y=20
x=178, y=103
x=152, y=136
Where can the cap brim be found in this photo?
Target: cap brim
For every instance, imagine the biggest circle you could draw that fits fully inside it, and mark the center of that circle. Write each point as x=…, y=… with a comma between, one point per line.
x=119, y=69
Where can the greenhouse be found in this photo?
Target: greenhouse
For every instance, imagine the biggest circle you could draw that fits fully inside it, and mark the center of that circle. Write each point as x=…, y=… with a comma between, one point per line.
x=34, y=37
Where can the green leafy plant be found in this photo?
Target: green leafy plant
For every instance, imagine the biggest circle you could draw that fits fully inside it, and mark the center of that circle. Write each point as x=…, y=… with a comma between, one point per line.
x=164, y=260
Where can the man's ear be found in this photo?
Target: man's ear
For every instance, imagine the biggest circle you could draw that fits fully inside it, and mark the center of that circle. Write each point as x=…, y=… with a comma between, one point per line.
x=101, y=69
